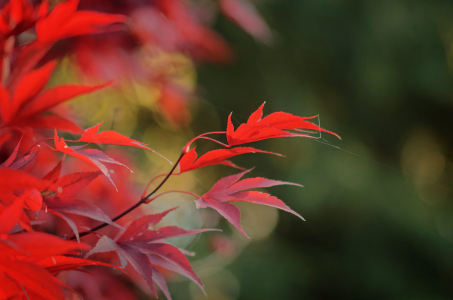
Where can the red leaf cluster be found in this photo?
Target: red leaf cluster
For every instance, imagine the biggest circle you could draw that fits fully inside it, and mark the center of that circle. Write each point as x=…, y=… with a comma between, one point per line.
x=44, y=207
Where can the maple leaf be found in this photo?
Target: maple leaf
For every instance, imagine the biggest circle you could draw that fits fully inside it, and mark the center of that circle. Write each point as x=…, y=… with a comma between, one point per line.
x=71, y=184
x=61, y=206
x=37, y=245
x=65, y=21
x=21, y=263
x=144, y=249
x=19, y=254
x=54, y=96
x=28, y=56
x=30, y=85
x=110, y=137
x=272, y=126
x=33, y=279
x=57, y=263
x=190, y=162
x=64, y=188
x=92, y=156
x=230, y=189
x=25, y=163
x=23, y=103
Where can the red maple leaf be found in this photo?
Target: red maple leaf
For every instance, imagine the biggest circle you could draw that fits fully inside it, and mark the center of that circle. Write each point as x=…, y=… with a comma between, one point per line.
x=71, y=184
x=65, y=21
x=272, y=126
x=25, y=163
x=92, y=156
x=59, y=198
x=144, y=249
x=28, y=260
x=23, y=105
x=190, y=162
x=92, y=135
x=230, y=189
x=57, y=263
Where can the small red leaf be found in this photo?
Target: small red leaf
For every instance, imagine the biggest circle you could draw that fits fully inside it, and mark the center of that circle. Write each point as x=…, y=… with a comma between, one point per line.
x=214, y=157
x=26, y=162
x=271, y=126
x=54, y=174
x=73, y=183
x=171, y=258
x=27, y=58
x=144, y=249
x=78, y=207
x=65, y=21
x=141, y=263
x=49, y=122
x=230, y=189
x=55, y=264
x=54, y=96
x=162, y=233
x=106, y=244
x=159, y=279
x=68, y=220
x=92, y=156
x=32, y=278
x=31, y=85
x=38, y=245
x=141, y=224
x=91, y=135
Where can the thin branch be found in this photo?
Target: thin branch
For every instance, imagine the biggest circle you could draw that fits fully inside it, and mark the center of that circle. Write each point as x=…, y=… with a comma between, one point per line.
x=174, y=191
x=164, y=180
x=186, y=148
x=152, y=180
x=142, y=201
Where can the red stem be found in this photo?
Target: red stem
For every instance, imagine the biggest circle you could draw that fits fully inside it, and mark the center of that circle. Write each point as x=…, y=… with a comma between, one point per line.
x=175, y=191
x=186, y=148
x=152, y=180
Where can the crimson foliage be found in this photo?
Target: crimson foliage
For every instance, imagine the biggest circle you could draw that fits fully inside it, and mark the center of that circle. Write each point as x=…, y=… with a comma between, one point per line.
x=31, y=181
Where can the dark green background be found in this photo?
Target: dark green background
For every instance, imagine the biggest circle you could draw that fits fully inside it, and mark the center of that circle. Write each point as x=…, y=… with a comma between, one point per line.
x=379, y=74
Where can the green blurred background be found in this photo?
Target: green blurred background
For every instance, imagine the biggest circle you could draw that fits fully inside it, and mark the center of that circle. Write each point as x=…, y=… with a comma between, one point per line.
x=378, y=203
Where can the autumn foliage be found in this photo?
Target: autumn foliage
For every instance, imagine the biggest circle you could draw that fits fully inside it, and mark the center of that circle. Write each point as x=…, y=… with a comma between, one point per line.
x=34, y=146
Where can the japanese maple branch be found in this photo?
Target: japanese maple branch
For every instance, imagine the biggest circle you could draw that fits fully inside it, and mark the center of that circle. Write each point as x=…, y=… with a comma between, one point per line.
x=142, y=201
x=145, y=199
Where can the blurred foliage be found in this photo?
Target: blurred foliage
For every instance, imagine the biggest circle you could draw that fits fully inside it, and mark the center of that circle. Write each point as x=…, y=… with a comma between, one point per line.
x=379, y=208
